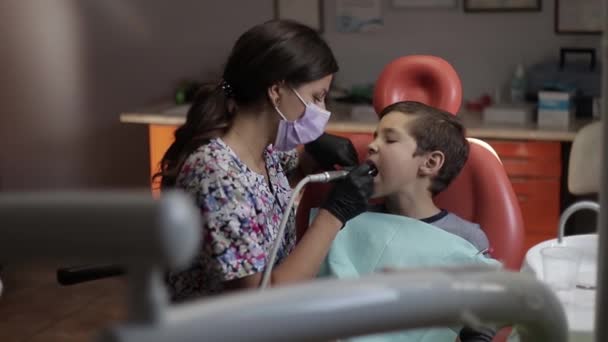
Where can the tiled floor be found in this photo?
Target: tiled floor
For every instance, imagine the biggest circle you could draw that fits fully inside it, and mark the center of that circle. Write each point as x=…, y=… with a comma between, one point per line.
x=34, y=307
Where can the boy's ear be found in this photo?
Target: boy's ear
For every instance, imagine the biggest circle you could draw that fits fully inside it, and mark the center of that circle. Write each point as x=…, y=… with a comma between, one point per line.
x=432, y=163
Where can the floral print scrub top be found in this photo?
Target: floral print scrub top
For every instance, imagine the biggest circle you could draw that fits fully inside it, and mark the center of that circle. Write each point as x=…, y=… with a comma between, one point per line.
x=241, y=216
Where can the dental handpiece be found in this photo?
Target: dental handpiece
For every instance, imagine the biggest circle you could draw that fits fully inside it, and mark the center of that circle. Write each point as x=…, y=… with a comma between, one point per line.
x=329, y=176
x=373, y=171
x=323, y=177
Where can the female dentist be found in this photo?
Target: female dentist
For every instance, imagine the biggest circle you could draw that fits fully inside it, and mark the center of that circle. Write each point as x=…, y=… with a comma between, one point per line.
x=236, y=151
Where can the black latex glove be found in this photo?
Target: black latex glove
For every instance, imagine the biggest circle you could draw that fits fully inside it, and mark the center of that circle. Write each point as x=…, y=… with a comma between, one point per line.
x=329, y=150
x=349, y=196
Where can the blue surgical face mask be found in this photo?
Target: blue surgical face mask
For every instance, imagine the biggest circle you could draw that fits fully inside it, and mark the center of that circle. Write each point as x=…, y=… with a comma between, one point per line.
x=303, y=130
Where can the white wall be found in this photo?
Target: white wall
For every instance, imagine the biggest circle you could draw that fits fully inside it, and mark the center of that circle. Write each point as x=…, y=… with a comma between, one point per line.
x=69, y=67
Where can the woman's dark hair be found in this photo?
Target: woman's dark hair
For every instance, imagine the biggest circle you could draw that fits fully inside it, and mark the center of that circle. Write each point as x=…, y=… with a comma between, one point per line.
x=269, y=53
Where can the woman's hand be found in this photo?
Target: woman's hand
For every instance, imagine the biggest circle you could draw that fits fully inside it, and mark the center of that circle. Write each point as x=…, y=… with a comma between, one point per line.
x=348, y=199
x=330, y=150
x=349, y=196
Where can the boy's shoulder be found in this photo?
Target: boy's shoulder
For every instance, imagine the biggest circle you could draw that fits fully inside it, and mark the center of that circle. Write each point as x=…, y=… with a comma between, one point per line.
x=451, y=223
x=468, y=230
x=449, y=218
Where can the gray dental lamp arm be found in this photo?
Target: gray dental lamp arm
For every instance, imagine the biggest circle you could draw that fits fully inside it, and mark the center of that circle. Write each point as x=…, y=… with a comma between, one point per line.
x=331, y=309
x=108, y=227
x=147, y=236
x=125, y=228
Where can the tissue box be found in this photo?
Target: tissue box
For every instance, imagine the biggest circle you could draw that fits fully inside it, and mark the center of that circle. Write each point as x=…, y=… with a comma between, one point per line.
x=555, y=108
x=517, y=114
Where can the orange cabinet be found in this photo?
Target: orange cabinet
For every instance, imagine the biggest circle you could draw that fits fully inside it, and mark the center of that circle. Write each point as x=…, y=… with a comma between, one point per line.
x=534, y=168
x=161, y=137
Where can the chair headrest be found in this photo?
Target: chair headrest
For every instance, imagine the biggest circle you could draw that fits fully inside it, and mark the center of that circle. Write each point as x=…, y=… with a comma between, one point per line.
x=584, y=166
x=423, y=78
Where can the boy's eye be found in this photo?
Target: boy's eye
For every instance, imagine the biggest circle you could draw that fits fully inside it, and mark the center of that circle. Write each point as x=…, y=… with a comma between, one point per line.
x=390, y=140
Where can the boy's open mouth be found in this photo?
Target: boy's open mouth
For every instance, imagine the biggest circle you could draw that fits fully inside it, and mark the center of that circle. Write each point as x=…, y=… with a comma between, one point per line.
x=374, y=169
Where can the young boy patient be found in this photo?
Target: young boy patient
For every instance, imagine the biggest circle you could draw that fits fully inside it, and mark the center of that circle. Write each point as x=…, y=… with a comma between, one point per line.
x=418, y=150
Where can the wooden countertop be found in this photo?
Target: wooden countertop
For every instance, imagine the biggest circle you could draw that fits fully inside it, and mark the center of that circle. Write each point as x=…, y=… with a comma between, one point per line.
x=343, y=121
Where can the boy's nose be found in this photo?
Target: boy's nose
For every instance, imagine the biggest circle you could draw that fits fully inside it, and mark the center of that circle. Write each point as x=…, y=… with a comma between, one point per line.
x=372, y=148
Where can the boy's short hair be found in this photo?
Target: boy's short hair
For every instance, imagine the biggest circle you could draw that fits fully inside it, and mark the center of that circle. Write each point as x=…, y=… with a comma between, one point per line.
x=436, y=130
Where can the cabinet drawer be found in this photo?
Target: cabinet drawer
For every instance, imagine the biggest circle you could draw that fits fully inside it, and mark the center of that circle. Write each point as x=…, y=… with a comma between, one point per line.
x=540, y=216
x=535, y=170
x=536, y=189
x=532, y=168
x=539, y=200
x=527, y=150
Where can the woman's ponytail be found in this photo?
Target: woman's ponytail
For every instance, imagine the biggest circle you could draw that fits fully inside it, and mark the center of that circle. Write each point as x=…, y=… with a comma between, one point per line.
x=209, y=116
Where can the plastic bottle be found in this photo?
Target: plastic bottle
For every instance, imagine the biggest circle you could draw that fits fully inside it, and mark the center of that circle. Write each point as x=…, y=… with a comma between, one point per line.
x=518, y=85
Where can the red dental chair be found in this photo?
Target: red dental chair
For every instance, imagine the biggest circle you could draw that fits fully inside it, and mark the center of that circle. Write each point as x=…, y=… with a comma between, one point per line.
x=481, y=193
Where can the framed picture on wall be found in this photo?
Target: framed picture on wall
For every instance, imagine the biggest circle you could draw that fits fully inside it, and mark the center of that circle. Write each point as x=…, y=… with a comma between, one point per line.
x=359, y=16
x=309, y=12
x=579, y=16
x=502, y=5
x=423, y=4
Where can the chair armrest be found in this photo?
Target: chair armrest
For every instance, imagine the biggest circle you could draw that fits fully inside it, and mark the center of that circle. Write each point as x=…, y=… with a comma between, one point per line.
x=80, y=274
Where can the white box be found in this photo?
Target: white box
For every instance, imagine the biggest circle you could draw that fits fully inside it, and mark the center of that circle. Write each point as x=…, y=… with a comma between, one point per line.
x=555, y=109
x=517, y=114
x=555, y=118
x=554, y=100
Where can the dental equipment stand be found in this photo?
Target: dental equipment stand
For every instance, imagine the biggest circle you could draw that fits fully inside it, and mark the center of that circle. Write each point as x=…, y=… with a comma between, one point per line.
x=124, y=228
x=601, y=330
x=147, y=236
